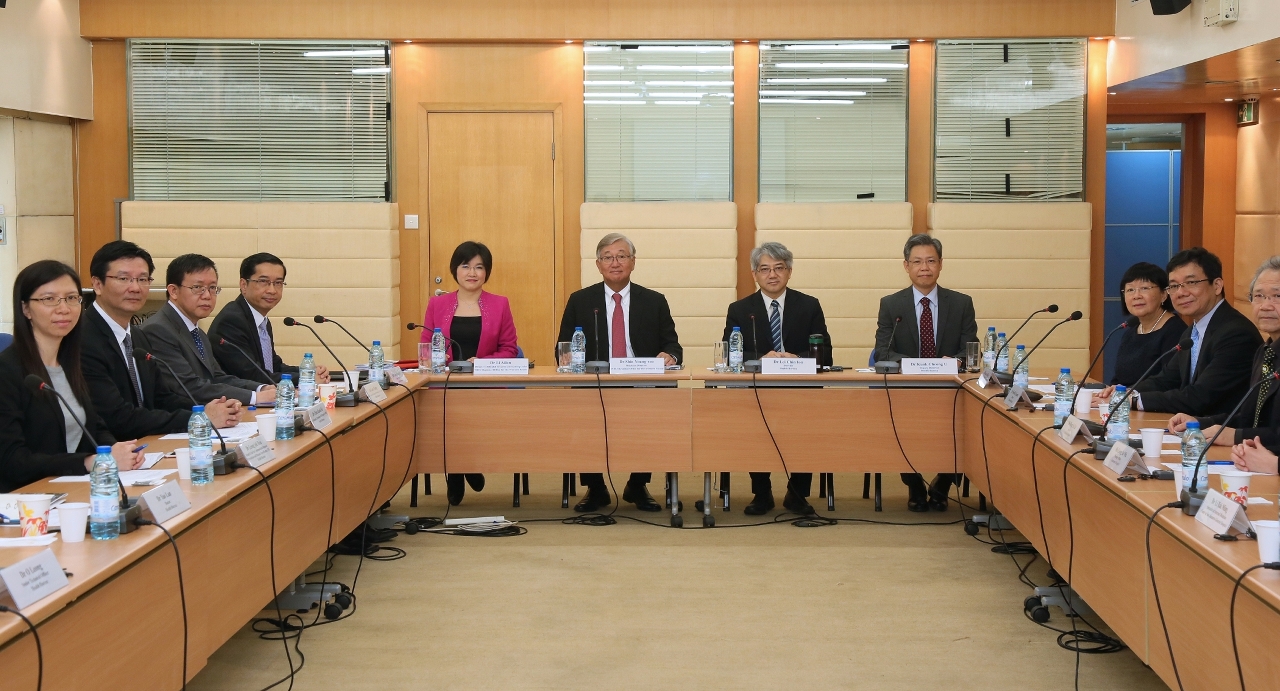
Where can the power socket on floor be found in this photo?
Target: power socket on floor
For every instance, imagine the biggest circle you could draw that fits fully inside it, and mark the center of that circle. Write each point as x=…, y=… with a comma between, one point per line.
x=473, y=521
x=997, y=521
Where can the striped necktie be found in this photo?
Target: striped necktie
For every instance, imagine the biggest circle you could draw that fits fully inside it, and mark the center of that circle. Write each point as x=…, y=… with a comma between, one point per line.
x=775, y=326
x=133, y=369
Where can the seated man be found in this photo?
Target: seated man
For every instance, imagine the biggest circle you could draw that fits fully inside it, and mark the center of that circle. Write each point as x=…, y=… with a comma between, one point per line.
x=784, y=319
x=125, y=386
x=177, y=338
x=1214, y=374
x=932, y=322
x=637, y=323
x=244, y=324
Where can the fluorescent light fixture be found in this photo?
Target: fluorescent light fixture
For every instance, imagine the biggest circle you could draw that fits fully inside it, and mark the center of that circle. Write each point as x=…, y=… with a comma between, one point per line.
x=678, y=103
x=607, y=82
x=344, y=53
x=813, y=93
x=829, y=80
x=686, y=49
x=837, y=46
x=677, y=94
x=685, y=68
x=662, y=82
x=602, y=68
x=371, y=70
x=597, y=49
x=841, y=65
x=805, y=100
x=615, y=103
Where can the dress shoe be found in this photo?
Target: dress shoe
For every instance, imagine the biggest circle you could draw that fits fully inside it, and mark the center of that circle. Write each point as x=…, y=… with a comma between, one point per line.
x=639, y=495
x=455, y=489
x=795, y=503
x=594, y=499
x=763, y=503
x=476, y=480
x=938, y=502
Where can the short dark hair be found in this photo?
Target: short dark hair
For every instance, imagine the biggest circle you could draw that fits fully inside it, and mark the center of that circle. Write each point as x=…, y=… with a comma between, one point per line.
x=1199, y=256
x=920, y=240
x=187, y=264
x=115, y=250
x=1145, y=271
x=251, y=262
x=24, y=341
x=466, y=252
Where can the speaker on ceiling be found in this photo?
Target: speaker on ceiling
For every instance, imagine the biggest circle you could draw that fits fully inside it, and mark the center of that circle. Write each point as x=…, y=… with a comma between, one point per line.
x=1168, y=6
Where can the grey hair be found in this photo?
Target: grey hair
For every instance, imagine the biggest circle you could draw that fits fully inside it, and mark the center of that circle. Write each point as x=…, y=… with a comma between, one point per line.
x=920, y=240
x=612, y=238
x=777, y=250
x=1271, y=264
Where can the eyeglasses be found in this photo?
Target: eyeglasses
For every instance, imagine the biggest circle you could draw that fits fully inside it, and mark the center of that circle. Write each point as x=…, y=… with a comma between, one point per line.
x=1259, y=297
x=1142, y=289
x=52, y=301
x=200, y=291
x=766, y=270
x=1175, y=287
x=143, y=282
x=268, y=283
x=917, y=263
x=620, y=258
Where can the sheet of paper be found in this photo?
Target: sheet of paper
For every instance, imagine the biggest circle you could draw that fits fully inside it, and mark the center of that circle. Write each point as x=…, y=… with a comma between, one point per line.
x=244, y=430
x=1171, y=452
x=152, y=459
x=126, y=476
x=1167, y=439
x=1046, y=389
x=1259, y=500
x=40, y=541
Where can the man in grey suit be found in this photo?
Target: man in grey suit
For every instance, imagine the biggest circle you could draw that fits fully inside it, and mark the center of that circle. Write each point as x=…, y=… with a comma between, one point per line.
x=931, y=322
x=177, y=338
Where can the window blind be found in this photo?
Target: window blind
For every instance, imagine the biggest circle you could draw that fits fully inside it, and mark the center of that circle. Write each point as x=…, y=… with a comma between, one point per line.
x=1009, y=120
x=258, y=120
x=659, y=121
x=833, y=121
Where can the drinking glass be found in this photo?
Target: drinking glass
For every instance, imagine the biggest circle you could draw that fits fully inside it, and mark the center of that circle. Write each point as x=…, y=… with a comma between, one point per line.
x=564, y=356
x=720, y=357
x=424, y=358
x=973, y=356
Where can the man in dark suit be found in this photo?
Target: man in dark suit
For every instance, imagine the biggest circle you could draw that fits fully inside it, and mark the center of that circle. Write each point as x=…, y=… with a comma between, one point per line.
x=177, y=338
x=783, y=321
x=637, y=323
x=931, y=322
x=125, y=386
x=1211, y=377
x=244, y=324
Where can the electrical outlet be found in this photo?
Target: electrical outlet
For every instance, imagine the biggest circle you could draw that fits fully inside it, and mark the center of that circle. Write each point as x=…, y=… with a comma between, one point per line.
x=410, y=221
x=4, y=236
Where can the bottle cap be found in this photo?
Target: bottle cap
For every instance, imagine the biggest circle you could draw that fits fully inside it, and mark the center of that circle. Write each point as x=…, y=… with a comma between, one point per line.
x=576, y=328
x=197, y=409
x=437, y=329
x=1120, y=388
x=1065, y=370
x=737, y=328
x=253, y=408
x=1001, y=334
x=1193, y=424
x=377, y=343
x=104, y=449
x=991, y=328
x=286, y=376
x=306, y=355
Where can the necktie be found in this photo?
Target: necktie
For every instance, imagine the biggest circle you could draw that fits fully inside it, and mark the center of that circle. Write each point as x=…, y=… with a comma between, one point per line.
x=1268, y=362
x=775, y=326
x=264, y=340
x=618, y=348
x=133, y=369
x=195, y=334
x=928, y=346
x=1195, y=352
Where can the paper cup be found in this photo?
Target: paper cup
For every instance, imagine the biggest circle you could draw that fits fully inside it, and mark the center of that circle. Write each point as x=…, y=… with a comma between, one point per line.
x=183, y=456
x=73, y=517
x=1268, y=540
x=1235, y=486
x=267, y=426
x=1152, y=441
x=1084, y=402
x=33, y=510
x=329, y=394
x=353, y=380
x=1177, y=483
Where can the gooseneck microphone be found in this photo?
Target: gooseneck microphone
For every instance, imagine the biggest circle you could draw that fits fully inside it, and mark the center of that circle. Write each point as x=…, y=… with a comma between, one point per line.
x=1126, y=324
x=1075, y=316
x=887, y=366
x=458, y=365
x=598, y=366
x=252, y=361
x=346, y=400
x=320, y=319
x=224, y=461
x=1050, y=309
x=1101, y=446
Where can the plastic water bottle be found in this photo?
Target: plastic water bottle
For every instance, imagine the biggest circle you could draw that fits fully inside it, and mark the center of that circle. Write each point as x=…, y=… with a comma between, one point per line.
x=989, y=349
x=199, y=433
x=1064, y=396
x=284, y=408
x=1118, y=422
x=578, y=351
x=377, y=361
x=1002, y=353
x=1193, y=444
x=1020, y=375
x=438, y=349
x=104, y=496
x=735, y=350
x=307, y=381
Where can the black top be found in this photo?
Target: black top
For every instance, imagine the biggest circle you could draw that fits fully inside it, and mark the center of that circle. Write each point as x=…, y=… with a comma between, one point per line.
x=236, y=324
x=801, y=316
x=1138, y=351
x=956, y=327
x=1267, y=416
x=1222, y=371
x=465, y=331
x=651, y=328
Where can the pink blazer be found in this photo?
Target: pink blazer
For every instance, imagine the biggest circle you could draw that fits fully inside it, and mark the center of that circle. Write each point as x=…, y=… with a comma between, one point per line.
x=497, y=327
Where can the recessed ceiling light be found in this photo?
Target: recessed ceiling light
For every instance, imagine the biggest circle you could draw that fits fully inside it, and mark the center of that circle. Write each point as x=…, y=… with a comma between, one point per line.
x=408, y=41
x=1111, y=93
x=919, y=40
x=568, y=41
x=1228, y=99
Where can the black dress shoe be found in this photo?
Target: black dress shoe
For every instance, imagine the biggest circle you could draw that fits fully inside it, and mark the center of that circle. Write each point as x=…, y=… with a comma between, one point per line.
x=938, y=502
x=476, y=480
x=455, y=489
x=762, y=504
x=594, y=499
x=797, y=504
x=639, y=495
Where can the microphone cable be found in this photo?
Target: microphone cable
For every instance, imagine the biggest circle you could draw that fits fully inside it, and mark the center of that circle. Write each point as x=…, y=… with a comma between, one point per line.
x=35, y=636
x=1019, y=547
x=1235, y=649
x=955, y=460
x=364, y=526
x=602, y=519
x=182, y=591
x=272, y=537
x=1151, y=571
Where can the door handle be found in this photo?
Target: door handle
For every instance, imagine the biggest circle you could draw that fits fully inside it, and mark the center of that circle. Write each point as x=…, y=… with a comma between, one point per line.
x=439, y=292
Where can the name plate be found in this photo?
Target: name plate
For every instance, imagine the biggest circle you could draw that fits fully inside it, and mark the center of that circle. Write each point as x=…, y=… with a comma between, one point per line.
x=930, y=365
x=502, y=366
x=166, y=501
x=255, y=451
x=788, y=365
x=1122, y=459
x=318, y=416
x=373, y=393
x=395, y=375
x=637, y=365
x=1071, y=427
x=1220, y=514
x=1016, y=396
x=988, y=375
x=34, y=578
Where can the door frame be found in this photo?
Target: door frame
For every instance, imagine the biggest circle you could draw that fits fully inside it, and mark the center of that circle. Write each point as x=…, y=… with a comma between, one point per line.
x=557, y=187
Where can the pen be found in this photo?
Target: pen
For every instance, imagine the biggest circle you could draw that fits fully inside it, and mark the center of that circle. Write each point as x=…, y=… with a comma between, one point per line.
x=141, y=448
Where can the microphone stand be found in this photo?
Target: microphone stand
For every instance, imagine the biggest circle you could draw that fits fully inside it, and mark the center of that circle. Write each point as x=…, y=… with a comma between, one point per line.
x=1002, y=377
x=346, y=400
x=598, y=366
x=319, y=319
x=1123, y=325
x=889, y=366
x=1035, y=396
x=224, y=462
x=753, y=366
x=1100, y=444
x=457, y=366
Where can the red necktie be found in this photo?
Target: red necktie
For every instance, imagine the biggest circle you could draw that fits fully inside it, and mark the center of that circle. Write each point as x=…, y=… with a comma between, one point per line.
x=619, y=347
x=928, y=348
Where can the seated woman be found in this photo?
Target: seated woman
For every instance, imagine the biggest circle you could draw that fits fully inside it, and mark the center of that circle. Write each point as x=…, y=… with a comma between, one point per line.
x=1159, y=326
x=39, y=436
x=476, y=323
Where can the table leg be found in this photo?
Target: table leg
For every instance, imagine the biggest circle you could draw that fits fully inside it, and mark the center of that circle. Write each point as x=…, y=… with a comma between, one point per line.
x=673, y=494
x=708, y=521
x=564, y=490
x=879, y=502
x=724, y=490
x=831, y=491
x=866, y=485
x=515, y=491
x=413, y=492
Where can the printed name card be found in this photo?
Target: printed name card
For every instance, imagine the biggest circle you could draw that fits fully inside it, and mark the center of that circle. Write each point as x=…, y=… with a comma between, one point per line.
x=255, y=451
x=637, y=365
x=502, y=366
x=1122, y=458
x=34, y=578
x=788, y=365
x=166, y=501
x=1220, y=514
x=988, y=375
x=930, y=365
x=1071, y=427
x=1017, y=395
x=318, y=416
x=373, y=393
x=395, y=375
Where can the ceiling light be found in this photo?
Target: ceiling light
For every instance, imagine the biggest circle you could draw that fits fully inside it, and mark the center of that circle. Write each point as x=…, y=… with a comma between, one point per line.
x=371, y=70
x=343, y=53
x=840, y=65
x=1228, y=99
x=1111, y=93
x=568, y=41
x=919, y=40
x=829, y=80
x=746, y=41
x=408, y=41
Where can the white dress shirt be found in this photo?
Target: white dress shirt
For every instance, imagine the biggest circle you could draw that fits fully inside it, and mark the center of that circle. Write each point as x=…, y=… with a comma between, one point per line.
x=768, y=311
x=118, y=331
x=933, y=306
x=626, y=317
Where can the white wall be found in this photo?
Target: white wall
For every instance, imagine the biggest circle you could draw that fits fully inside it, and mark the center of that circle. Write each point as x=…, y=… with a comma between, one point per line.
x=1146, y=44
x=45, y=66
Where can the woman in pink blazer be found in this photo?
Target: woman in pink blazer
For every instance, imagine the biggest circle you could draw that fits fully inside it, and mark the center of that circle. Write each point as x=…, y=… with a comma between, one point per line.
x=475, y=323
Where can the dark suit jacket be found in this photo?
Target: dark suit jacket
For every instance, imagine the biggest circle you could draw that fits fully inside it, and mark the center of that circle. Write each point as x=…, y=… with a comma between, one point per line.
x=1268, y=422
x=235, y=323
x=956, y=325
x=161, y=411
x=1222, y=373
x=653, y=330
x=171, y=342
x=33, y=435
x=801, y=316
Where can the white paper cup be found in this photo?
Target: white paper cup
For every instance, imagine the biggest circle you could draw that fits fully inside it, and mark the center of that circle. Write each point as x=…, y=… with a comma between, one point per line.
x=33, y=510
x=73, y=517
x=1177, y=483
x=1235, y=486
x=1152, y=441
x=329, y=394
x=1268, y=540
x=183, y=456
x=1084, y=402
x=267, y=426
x=353, y=380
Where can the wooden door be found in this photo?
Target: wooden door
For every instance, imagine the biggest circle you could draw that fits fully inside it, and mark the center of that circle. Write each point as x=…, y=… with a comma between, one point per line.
x=491, y=179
